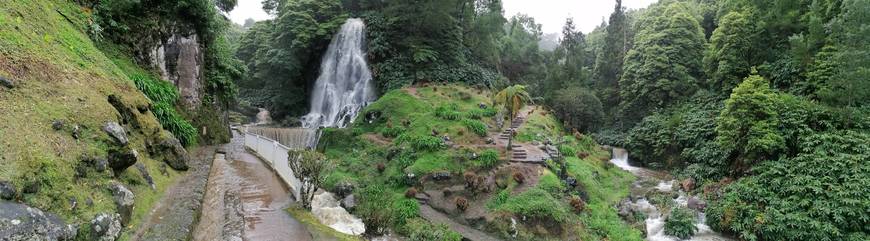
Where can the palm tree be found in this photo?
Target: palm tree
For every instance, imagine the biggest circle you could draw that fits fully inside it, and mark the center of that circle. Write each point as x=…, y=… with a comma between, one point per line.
x=512, y=99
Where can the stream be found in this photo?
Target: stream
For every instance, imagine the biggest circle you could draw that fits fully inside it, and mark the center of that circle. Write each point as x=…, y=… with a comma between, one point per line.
x=655, y=181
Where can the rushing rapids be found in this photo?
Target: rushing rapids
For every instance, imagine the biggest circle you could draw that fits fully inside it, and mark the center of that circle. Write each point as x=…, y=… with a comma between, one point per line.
x=655, y=218
x=345, y=85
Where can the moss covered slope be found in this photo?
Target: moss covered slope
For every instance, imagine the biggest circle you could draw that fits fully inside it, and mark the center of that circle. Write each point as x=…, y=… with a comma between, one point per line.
x=61, y=76
x=397, y=148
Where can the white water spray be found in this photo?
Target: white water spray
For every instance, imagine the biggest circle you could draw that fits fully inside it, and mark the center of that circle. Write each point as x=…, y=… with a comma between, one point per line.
x=345, y=85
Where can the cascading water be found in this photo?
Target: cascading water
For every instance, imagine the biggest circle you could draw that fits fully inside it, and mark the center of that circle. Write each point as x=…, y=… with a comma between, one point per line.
x=655, y=219
x=345, y=82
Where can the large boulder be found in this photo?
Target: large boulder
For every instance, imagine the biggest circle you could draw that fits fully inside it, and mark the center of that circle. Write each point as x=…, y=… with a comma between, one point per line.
x=7, y=190
x=688, y=184
x=21, y=222
x=122, y=158
x=696, y=204
x=124, y=201
x=106, y=227
x=169, y=149
x=349, y=202
x=117, y=132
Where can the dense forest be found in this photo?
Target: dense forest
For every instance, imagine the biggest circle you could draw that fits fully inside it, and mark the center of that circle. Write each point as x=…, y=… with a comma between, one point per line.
x=765, y=103
x=120, y=118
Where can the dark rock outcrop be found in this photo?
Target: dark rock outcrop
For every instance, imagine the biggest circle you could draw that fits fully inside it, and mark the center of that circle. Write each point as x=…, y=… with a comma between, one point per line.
x=147, y=176
x=121, y=159
x=349, y=202
x=179, y=60
x=343, y=189
x=57, y=125
x=21, y=222
x=7, y=190
x=6, y=82
x=169, y=150
x=105, y=227
x=117, y=132
x=124, y=201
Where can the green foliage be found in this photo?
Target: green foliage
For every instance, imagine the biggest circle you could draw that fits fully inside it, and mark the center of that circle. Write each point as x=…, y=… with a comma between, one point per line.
x=420, y=230
x=478, y=113
x=550, y=182
x=820, y=194
x=278, y=52
x=475, y=126
x=535, y=203
x=681, y=223
x=578, y=108
x=488, y=158
x=448, y=112
x=748, y=124
x=665, y=64
x=731, y=47
x=421, y=142
x=163, y=96
x=512, y=99
x=609, y=62
x=678, y=136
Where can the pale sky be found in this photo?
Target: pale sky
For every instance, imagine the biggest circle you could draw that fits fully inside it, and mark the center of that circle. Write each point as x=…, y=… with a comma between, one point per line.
x=248, y=9
x=551, y=14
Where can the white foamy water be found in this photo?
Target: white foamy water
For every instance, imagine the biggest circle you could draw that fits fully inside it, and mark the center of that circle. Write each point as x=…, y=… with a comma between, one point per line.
x=345, y=85
x=327, y=210
x=655, y=221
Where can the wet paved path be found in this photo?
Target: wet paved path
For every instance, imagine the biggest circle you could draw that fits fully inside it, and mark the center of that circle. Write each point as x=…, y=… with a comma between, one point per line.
x=173, y=216
x=247, y=200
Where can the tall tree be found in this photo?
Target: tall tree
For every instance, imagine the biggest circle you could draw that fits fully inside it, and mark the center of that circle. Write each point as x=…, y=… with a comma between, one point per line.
x=608, y=65
x=664, y=66
x=850, y=85
x=747, y=127
x=729, y=57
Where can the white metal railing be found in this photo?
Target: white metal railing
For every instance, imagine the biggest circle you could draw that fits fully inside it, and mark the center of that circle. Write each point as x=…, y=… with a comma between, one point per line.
x=274, y=154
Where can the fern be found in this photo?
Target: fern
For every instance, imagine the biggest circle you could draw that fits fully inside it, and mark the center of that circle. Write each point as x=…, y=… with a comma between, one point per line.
x=163, y=96
x=475, y=126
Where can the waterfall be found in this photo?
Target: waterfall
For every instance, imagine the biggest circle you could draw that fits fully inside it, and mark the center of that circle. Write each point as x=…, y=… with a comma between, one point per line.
x=345, y=82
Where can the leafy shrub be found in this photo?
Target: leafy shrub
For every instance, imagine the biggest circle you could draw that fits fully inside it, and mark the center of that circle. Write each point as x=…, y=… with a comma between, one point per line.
x=461, y=203
x=535, y=203
x=567, y=150
x=420, y=230
x=478, y=113
x=578, y=204
x=403, y=210
x=681, y=223
x=448, y=112
x=488, y=158
x=579, y=108
x=163, y=96
x=392, y=132
x=498, y=199
x=816, y=195
x=475, y=126
x=422, y=142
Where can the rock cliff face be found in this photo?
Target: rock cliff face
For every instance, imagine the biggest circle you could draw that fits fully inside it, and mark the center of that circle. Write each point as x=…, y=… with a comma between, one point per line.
x=179, y=60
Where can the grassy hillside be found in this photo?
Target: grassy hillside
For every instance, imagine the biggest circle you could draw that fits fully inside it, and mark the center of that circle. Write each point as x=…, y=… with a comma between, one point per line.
x=60, y=75
x=391, y=150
